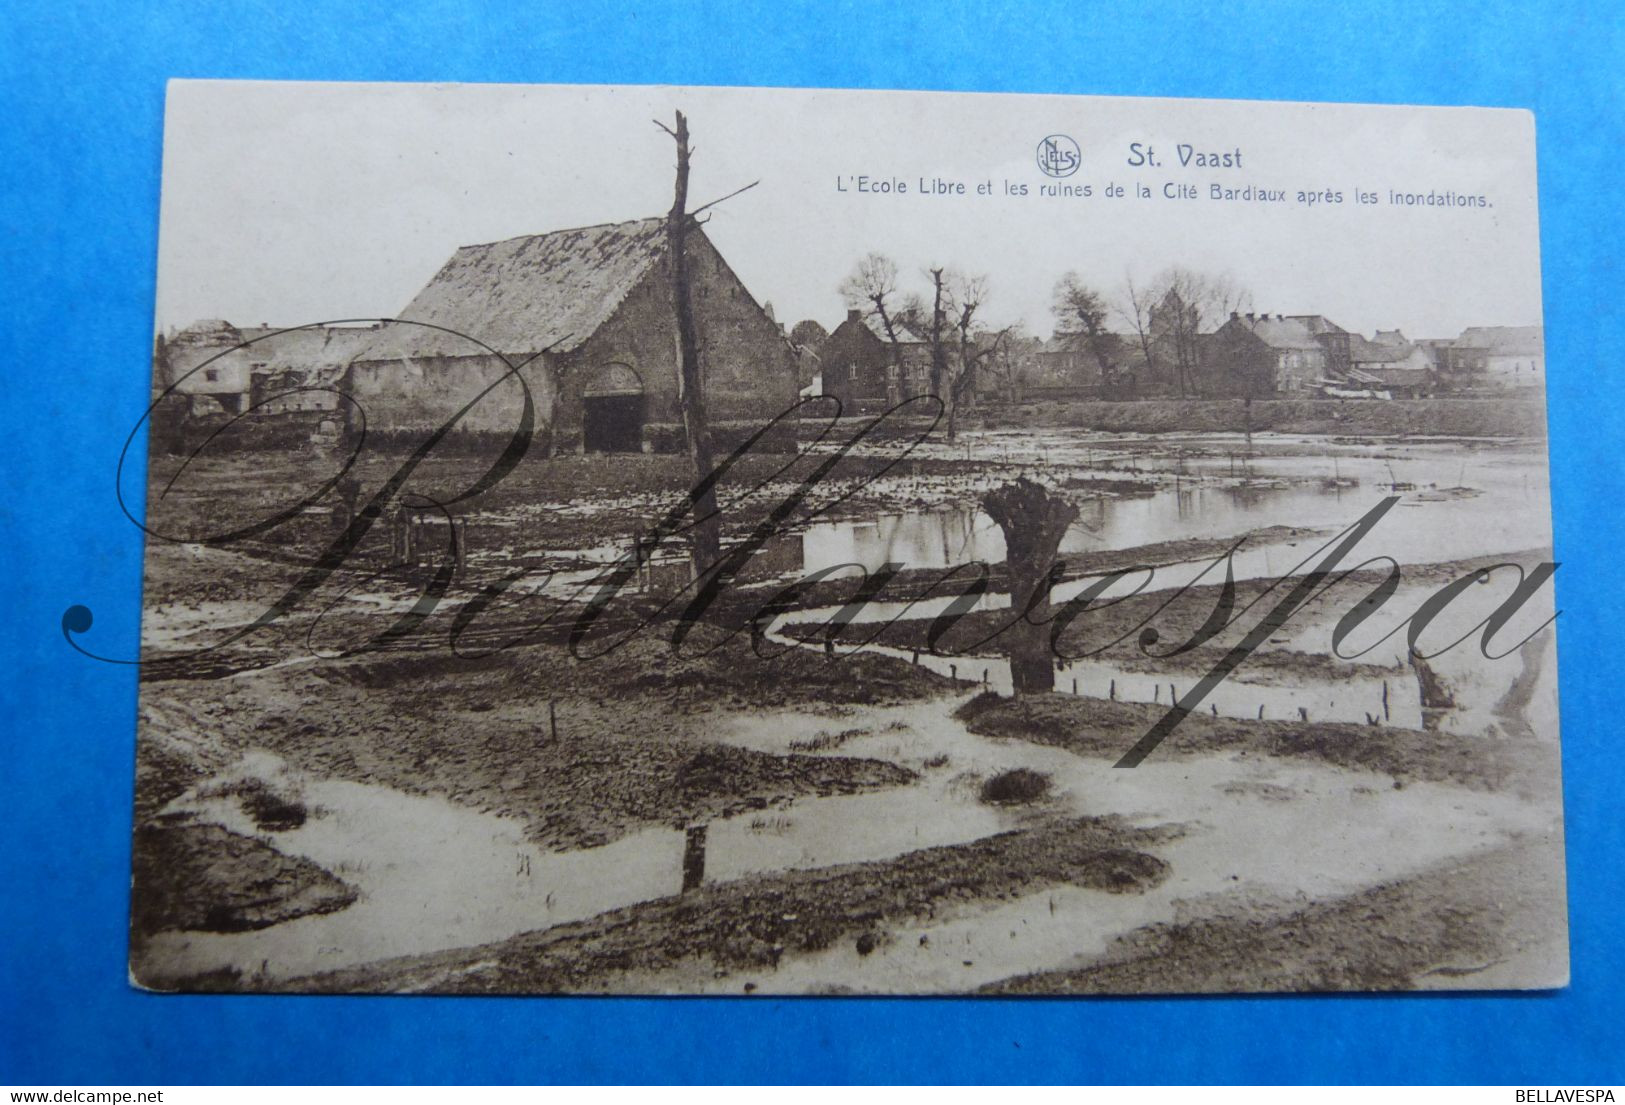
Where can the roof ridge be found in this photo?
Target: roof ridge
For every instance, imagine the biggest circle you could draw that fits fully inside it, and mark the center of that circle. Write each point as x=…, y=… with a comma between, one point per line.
x=560, y=230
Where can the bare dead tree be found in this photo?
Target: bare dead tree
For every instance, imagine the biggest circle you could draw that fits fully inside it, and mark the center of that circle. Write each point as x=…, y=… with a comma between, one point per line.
x=1137, y=302
x=1003, y=358
x=966, y=294
x=707, y=529
x=1178, y=321
x=954, y=301
x=1191, y=304
x=936, y=339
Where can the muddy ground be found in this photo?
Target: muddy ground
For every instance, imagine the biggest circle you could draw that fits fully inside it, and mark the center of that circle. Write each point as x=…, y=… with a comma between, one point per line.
x=1105, y=729
x=750, y=924
x=1463, y=920
x=202, y=877
x=585, y=753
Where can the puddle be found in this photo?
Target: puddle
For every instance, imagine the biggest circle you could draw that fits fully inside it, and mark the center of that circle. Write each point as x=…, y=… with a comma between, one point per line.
x=435, y=875
x=1277, y=832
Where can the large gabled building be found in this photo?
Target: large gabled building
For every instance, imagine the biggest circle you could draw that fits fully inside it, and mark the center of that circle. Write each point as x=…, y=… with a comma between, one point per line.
x=586, y=314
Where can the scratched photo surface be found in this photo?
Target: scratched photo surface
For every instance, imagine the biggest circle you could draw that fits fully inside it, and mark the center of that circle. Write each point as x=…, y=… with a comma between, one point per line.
x=746, y=541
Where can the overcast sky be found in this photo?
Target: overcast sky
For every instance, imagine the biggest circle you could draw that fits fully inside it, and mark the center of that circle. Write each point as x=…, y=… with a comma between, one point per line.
x=294, y=203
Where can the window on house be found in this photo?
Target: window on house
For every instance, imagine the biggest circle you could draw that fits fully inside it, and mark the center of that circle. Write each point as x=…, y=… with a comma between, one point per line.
x=851, y=372
x=212, y=375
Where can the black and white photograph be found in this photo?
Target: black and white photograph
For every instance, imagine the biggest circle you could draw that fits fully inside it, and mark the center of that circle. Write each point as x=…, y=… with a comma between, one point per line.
x=663, y=540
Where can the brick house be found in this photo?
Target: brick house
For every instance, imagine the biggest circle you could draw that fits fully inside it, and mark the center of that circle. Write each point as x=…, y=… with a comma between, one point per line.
x=1254, y=356
x=860, y=370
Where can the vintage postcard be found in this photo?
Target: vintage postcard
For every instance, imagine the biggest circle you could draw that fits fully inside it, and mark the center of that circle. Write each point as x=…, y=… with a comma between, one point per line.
x=757, y=541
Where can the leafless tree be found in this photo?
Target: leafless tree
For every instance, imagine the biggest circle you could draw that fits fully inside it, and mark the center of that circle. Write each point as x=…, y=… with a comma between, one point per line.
x=1179, y=322
x=936, y=337
x=1136, y=303
x=707, y=529
x=1195, y=304
x=872, y=287
x=1003, y=361
x=1171, y=313
x=962, y=300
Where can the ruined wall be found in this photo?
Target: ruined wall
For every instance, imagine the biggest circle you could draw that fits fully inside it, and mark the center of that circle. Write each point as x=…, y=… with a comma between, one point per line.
x=415, y=395
x=224, y=375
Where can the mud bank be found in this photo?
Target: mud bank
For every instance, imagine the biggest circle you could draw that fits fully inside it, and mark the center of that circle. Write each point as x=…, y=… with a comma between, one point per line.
x=205, y=878
x=582, y=752
x=1443, y=416
x=1468, y=919
x=751, y=923
x=1095, y=727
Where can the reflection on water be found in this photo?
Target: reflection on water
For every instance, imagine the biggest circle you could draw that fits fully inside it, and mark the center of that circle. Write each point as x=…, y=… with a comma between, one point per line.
x=434, y=874
x=1507, y=498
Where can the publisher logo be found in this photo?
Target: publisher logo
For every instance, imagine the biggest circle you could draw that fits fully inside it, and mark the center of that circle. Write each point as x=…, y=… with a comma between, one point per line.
x=1058, y=155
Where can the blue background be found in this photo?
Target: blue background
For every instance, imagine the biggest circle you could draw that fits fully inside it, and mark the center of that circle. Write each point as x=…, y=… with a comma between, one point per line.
x=81, y=103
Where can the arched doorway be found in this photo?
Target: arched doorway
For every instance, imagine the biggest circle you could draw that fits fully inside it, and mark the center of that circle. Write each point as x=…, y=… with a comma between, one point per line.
x=612, y=411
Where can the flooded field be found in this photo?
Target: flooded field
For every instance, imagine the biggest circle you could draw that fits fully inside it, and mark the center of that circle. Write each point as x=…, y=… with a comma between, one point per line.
x=1213, y=487
x=450, y=880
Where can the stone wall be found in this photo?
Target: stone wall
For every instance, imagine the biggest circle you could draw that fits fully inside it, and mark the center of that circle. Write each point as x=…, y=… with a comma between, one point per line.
x=749, y=369
x=417, y=395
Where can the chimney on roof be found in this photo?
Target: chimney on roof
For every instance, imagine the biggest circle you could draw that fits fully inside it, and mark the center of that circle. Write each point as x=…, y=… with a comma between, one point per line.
x=1280, y=318
x=853, y=314
x=1249, y=316
x=1234, y=315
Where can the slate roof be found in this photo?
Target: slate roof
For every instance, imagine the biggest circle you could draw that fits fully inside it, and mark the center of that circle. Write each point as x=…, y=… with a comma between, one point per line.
x=1318, y=324
x=525, y=294
x=1293, y=332
x=1363, y=351
x=1510, y=341
x=319, y=354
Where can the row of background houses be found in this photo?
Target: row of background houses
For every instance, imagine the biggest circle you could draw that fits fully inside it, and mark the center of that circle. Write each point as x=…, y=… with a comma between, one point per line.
x=1251, y=355
x=586, y=314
